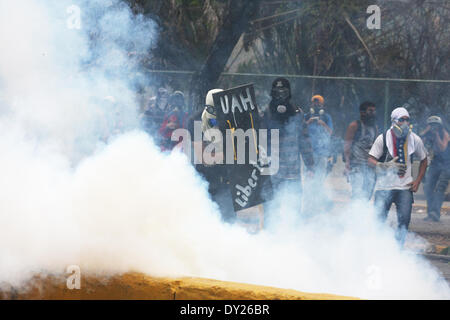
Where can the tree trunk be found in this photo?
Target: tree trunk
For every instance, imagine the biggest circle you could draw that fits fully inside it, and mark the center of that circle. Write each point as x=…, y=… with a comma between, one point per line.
x=236, y=22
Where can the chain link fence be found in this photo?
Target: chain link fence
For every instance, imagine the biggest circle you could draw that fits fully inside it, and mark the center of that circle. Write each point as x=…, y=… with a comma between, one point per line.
x=343, y=95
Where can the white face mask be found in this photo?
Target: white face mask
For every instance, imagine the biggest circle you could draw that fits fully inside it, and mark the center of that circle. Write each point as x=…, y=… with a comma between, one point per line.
x=321, y=111
x=281, y=108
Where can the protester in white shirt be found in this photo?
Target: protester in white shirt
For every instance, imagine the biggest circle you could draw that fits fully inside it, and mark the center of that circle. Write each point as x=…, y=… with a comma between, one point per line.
x=393, y=161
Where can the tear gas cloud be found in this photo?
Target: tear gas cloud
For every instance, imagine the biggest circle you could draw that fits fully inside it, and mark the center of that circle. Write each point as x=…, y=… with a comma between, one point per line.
x=70, y=198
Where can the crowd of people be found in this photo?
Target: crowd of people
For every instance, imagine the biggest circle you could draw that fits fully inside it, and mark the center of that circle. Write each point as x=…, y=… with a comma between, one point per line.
x=163, y=114
x=377, y=164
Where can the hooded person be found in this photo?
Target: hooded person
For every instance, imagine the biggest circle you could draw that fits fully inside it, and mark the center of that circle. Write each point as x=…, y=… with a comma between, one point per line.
x=155, y=111
x=215, y=172
x=293, y=139
x=438, y=173
x=281, y=109
x=391, y=155
x=161, y=100
x=173, y=120
x=209, y=117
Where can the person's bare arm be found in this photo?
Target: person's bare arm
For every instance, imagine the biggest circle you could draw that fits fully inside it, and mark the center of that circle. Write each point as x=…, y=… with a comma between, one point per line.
x=372, y=161
x=323, y=124
x=422, y=168
x=424, y=132
x=310, y=120
x=442, y=143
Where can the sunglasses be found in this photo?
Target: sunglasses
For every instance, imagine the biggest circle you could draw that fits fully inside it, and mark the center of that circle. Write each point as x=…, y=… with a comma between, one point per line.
x=403, y=120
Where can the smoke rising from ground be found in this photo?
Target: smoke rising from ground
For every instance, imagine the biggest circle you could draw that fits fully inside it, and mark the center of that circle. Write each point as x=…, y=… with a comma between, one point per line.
x=68, y=196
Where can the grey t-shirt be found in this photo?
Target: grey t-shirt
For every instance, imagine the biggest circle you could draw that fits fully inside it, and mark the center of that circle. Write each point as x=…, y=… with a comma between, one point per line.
x=361, y=146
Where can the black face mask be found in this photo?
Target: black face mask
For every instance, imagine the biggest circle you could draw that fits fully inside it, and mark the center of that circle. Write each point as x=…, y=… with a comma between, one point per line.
x=280, y=94
x=369, y=118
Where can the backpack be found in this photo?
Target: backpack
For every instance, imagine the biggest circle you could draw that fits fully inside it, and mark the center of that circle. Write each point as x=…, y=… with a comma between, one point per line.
x=385, y=149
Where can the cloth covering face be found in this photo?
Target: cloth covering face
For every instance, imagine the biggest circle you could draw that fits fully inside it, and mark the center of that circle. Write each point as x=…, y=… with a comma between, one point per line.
x=393, y=181
x=398, y=113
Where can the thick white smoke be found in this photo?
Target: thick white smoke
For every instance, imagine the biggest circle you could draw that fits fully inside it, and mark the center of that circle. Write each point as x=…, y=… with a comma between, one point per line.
x=69, y=198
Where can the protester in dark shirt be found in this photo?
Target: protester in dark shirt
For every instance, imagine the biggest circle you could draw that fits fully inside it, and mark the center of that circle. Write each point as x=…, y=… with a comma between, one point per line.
x=293, y=137
x=438, y=173
x=175, y=119
x=215, y=173
x=155, y=111
x=359, y=138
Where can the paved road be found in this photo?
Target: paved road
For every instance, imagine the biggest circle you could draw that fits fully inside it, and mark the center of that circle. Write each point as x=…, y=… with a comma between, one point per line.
x=442, y=263
x=437, y=233
x=436, y=236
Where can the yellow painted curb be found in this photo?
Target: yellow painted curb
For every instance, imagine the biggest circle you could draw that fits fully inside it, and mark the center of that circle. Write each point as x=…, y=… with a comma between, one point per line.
x=138, y=286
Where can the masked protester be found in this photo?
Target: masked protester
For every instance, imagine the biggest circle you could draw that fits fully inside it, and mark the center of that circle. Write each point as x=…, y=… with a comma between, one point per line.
x=391, y=155
x=215, y=173
x=175, y=119
x=320, y=128
x=293, y=137
x=155, y=111
x=359, y=138
x=438, y=173
x=209, y=117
